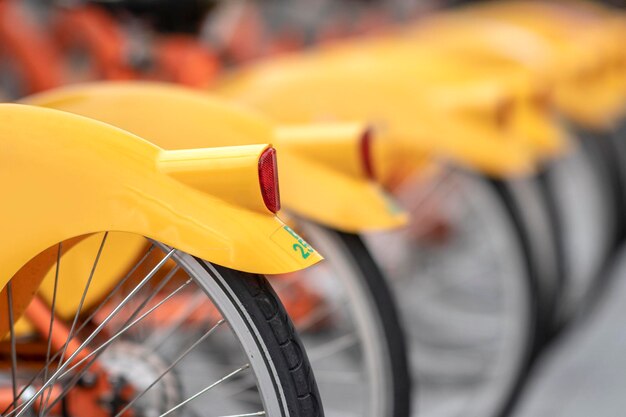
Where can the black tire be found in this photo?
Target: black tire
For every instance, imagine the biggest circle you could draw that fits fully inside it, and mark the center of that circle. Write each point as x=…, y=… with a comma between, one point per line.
x=605, y=152
x=541, y=296
x=578, y=188
x=452, y=382
x=381, y=336
x=544, y=282
x=278, y=336
x=387, y=312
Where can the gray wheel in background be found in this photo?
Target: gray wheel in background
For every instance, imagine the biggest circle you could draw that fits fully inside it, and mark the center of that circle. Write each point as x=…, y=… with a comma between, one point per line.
x=353, y=334
x=583, y=203
x=464, y=288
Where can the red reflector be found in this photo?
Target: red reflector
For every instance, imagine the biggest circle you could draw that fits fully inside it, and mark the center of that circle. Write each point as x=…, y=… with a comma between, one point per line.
x=366, y=152
x=268, y=179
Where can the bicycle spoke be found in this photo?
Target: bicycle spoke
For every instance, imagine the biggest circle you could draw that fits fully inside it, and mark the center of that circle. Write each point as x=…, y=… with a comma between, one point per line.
x=170, y=367
x=122, y=331
x=316, y=316
x=96, y=353
x=203, y=391
x=113, y=292
x=179, y=319
x=12, y=336
x=154, y=293
x=52, y=379
x=332, y=347
x=52, y=309
x=77, y=315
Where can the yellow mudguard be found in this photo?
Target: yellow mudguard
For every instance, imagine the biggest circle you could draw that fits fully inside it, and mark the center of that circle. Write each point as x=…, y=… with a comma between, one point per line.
x=475, y=88
x=586, y=51
x=449, y=54
x=344, y=83
x=69, y=177
x=321, y=171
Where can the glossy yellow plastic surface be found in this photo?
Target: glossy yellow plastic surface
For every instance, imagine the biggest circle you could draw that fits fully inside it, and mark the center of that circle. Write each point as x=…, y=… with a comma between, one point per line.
x=321, y=171
x=585, y=52
x=66, y=176
x=346, y=82
x=475, y=88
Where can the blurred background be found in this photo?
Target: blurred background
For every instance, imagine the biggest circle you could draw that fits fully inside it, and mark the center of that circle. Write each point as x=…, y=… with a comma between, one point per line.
x=517, y=296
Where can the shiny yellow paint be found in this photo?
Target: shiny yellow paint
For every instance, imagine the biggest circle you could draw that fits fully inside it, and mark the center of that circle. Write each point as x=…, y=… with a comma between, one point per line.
x=78, y=257
x=320, y=167
x=476, y=87
x=585, y=53
x=66, y=176
x=347, y=82
x=446, y=49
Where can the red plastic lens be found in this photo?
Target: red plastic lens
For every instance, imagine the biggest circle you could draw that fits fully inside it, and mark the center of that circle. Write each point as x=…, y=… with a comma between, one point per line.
x=366, y=152
x=268, y=179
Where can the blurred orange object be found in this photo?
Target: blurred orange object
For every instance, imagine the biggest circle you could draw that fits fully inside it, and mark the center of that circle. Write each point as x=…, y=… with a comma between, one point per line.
x=99, y=47
x=183, y=60
x=34, y=58
x=91, y=35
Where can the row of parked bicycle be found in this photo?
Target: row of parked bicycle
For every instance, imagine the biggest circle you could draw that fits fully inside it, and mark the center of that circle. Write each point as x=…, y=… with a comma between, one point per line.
x=458, y=182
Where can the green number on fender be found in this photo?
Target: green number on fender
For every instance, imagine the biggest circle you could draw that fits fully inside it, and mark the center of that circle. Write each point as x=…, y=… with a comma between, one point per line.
x=299, y=247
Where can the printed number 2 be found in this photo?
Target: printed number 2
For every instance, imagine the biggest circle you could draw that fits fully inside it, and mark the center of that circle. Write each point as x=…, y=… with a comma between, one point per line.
x=304, y=254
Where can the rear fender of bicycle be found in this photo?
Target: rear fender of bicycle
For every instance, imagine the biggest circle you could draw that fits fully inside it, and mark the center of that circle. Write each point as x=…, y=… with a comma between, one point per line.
x=314, y=87
x=69, y=177
x=478, y=52
x=321, y=167
x=585, y=43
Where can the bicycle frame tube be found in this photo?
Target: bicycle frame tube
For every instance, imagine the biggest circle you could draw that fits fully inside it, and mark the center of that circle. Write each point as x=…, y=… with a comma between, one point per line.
x=320, y=167
x=92, y=29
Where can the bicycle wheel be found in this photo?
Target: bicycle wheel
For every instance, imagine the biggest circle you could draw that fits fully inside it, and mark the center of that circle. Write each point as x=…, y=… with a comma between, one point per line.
x=605, y=152
x=583, y=203
x=533, y=215
x=139, y=349
x=461, y=278
x=346, y=318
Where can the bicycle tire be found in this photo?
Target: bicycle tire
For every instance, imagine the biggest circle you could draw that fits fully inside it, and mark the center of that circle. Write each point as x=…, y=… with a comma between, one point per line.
x=385, y=304
x=255, y=295
x=372, y=304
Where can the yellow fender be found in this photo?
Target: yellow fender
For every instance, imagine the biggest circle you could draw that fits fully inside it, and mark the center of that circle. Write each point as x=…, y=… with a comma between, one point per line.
x=476, y=88
x=586, y=46
x=344, y=83
x=67, y=177
x=321, y=170
x=448, y=49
